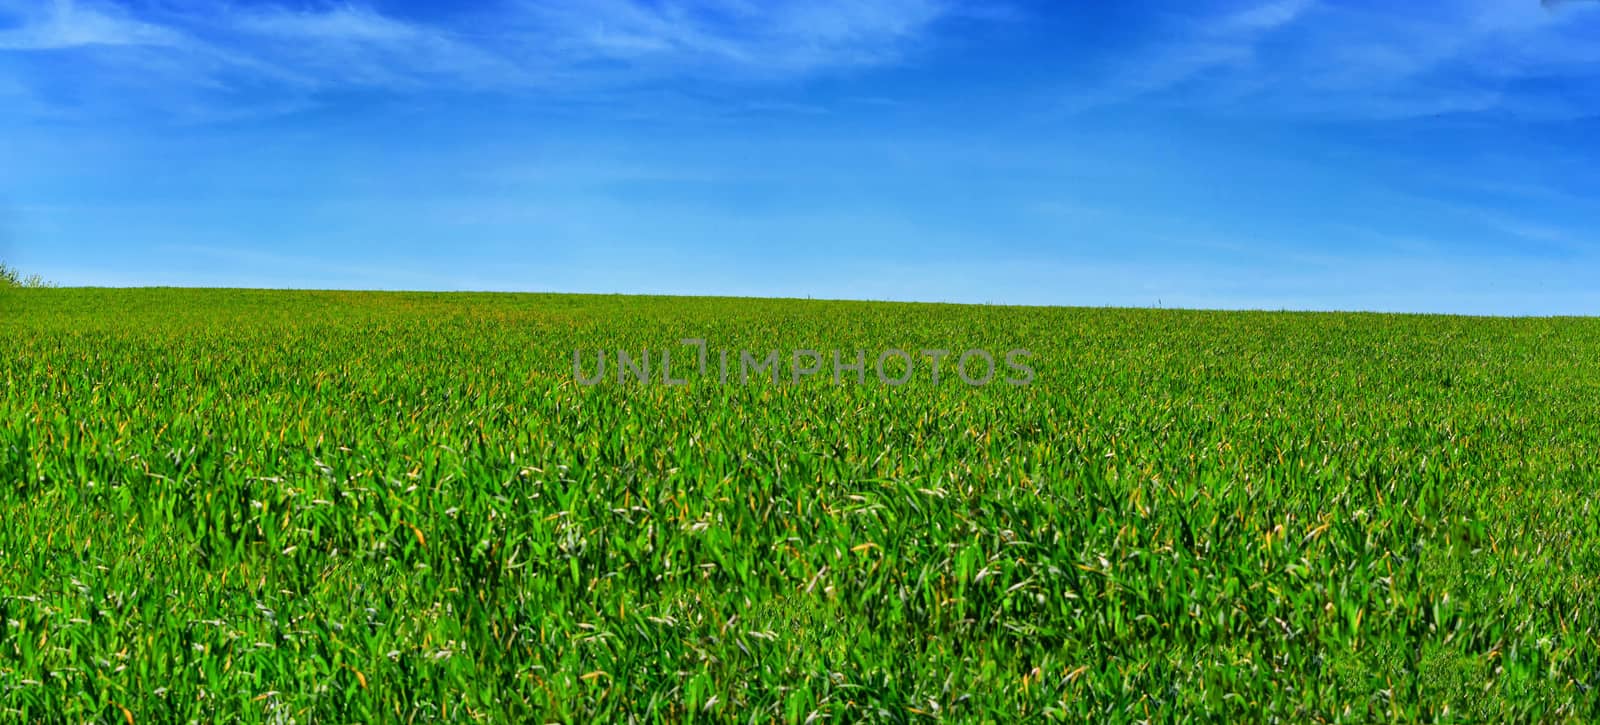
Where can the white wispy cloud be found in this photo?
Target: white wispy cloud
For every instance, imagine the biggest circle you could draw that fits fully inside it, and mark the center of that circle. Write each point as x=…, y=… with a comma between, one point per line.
x=1266, y=17
x=1341, y=60
x=351, y=45
x=196, y=56
x=1200, y=48
x=1528, y=234
x=773, y=37
x=65, y=24
x=347, y=23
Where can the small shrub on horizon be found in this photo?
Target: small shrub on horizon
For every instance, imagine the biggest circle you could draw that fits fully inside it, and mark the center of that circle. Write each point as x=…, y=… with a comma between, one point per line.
x=12, y=277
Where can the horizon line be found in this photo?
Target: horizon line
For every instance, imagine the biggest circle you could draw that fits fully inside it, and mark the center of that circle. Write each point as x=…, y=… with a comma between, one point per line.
x=842, y=300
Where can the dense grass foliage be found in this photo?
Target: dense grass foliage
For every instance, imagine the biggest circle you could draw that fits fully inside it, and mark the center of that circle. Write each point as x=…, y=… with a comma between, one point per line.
x=330, y=507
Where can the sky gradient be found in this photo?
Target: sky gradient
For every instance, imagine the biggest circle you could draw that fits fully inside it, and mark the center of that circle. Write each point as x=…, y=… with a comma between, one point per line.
x=1288, y=154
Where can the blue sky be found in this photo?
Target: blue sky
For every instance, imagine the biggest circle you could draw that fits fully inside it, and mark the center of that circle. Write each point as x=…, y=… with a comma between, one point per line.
x=1302, y=154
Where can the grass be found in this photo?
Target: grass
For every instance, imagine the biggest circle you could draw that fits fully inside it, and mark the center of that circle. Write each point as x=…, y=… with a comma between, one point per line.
x=306, y=506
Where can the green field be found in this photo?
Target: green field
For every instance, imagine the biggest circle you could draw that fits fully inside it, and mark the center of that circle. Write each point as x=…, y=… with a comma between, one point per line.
x=335, y=507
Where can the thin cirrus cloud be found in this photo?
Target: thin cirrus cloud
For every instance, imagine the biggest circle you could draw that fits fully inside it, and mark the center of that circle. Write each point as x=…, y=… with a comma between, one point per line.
x=63, y=24
x=346, y=23
x=1191, y=48
x=356, y=46
x=1360, y=61
x=274, y=52
x=756, y=38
